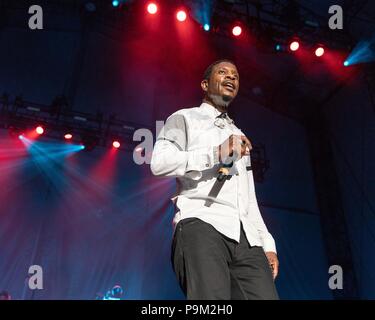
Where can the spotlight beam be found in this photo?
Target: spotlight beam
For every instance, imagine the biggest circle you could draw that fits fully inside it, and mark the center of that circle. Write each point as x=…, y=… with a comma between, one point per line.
x=363, y=52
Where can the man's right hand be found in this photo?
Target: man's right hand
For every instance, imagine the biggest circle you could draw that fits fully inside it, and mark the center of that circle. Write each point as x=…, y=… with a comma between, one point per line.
x=235, y=147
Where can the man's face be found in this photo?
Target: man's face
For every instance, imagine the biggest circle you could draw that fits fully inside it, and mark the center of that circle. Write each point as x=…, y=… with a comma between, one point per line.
x=222, y=87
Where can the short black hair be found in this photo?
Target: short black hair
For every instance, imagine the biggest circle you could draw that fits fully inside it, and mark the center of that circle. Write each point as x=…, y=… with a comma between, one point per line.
x=207, y=73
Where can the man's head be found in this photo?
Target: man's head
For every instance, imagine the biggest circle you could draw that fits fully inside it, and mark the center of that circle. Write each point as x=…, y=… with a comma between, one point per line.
x=220, y=83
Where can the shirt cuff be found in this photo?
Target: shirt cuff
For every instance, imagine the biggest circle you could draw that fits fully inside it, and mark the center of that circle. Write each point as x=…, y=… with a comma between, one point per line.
x=269, y=245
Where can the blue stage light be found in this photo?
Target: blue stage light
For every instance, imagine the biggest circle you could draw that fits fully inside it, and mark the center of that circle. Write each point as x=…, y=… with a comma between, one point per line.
x=115, y=3
x=206, y=27
x=363, y=52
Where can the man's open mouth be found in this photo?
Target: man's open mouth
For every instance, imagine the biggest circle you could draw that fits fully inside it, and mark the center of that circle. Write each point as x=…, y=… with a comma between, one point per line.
x=229, y=85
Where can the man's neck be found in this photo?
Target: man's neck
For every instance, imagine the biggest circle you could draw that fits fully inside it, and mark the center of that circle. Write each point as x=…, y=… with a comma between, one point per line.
x=219, y=108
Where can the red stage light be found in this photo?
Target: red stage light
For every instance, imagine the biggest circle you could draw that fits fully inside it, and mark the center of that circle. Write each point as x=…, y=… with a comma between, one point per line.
x=152, y=8
x=319, y=51
x=181, y=15
x=39, y=130
x=237, y=30
x=116, y=144
x=68, y=136
x=294, y=46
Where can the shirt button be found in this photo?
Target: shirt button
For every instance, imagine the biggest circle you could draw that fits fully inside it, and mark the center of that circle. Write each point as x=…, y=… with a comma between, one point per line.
x=207, y=165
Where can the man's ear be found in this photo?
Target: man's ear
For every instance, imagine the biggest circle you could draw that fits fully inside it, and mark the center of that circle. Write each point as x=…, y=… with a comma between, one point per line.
x=204, y=85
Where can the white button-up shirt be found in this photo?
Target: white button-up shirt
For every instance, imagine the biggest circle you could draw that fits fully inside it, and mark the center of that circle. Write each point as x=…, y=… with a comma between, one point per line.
x=186, y=148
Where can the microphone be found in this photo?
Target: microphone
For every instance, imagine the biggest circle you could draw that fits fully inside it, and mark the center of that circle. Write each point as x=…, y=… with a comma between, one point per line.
x=224, y=171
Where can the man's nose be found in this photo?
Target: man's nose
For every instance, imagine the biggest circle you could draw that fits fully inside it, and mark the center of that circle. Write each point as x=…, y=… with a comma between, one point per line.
x=230, y=76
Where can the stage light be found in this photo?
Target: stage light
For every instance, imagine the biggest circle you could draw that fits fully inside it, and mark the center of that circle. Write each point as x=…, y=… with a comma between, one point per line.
x=363, y=52
x=152, y=8
x=114, y=294
x=39, y=130
x=237, y=30
x=115, y=3
x=294, y=46
x=68, y=136
x=117, y=292
x=89, y=142
x=20, y=137
x=116, y=144
x=319, y=51
x=278, y=47
x=206, y=27
x=181, y=15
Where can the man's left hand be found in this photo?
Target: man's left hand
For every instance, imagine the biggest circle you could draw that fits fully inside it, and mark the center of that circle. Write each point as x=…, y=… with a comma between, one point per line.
x=274, y=263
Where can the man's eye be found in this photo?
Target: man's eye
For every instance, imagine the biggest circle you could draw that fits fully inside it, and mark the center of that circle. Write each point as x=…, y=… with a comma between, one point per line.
x=221, y=71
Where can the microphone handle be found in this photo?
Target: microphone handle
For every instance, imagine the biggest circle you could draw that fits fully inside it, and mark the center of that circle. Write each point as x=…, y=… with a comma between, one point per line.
x=224, y=171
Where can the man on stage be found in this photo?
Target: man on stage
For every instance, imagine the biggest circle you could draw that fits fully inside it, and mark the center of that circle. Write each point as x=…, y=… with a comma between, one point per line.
x=221, y=247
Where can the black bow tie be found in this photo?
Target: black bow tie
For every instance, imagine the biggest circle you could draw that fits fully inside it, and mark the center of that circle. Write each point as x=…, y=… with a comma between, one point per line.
x=224, y=115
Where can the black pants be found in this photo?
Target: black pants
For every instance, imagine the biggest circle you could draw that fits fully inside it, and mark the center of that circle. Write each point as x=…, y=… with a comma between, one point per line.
x=211, y=266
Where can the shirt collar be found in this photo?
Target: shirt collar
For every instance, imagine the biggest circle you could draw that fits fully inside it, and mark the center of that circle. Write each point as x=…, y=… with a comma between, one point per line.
x=211, y=111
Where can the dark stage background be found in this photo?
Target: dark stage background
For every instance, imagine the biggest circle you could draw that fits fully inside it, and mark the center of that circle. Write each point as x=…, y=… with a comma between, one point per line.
x=96, y=219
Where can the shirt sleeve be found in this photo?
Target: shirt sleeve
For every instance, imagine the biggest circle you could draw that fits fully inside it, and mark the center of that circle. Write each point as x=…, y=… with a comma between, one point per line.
x=268, y=242
x=171, y=156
